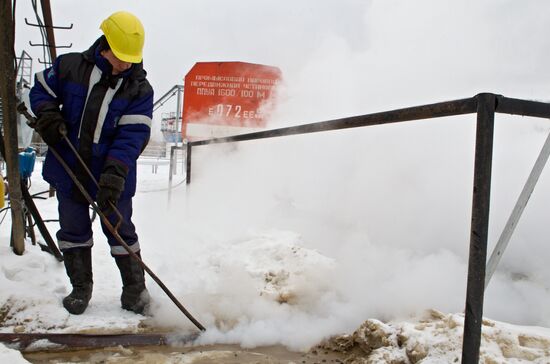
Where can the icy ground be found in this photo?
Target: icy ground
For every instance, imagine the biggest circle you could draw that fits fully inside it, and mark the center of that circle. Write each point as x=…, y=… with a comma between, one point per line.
x=253, y=281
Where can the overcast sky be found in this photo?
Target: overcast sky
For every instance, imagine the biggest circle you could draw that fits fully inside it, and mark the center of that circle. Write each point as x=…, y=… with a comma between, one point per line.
x=338, y=57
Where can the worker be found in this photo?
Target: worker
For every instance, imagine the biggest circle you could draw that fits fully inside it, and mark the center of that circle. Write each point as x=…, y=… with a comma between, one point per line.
x=101, y=100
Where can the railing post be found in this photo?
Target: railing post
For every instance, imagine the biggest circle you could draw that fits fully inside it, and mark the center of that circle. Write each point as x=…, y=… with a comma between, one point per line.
x=171, y=171
x=486, y=104
x=188, y=164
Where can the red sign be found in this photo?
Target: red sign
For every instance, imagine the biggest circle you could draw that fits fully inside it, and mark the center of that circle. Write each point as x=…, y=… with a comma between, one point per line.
x=222, y=98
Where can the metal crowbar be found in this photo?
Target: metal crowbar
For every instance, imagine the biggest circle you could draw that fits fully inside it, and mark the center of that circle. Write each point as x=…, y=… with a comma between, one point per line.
x=31, y=121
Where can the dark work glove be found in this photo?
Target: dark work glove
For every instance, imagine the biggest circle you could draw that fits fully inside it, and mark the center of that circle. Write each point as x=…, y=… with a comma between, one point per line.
x=51, y=127
x=110, y=189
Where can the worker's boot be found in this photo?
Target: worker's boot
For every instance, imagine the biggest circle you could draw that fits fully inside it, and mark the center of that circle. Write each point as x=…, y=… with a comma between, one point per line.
x=78, y=264
x=134, y=294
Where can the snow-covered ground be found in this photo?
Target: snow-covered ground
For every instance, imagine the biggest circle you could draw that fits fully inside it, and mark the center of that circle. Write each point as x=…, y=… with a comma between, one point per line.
x=435, y=337
x=293, y=241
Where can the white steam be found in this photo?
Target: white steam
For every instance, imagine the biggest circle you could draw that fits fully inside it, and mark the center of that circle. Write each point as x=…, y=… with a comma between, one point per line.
x=379, y=216
x=388, y=206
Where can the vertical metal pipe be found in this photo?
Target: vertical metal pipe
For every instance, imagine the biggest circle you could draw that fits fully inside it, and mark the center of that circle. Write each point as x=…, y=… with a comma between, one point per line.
x=171, y=167
x=479, y=229
x=178, y=115
x=188, y=165
x=175, y=157
x=30, y=228
x=40, y=223
x=178, y=132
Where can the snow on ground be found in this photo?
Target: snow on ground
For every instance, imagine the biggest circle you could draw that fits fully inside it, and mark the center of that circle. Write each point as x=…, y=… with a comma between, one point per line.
x=263, y=250
x=11, y=356
x=435, y=337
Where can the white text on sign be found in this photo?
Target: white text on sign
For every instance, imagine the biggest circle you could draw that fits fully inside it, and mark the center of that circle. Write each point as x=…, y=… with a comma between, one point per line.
x=235, y=111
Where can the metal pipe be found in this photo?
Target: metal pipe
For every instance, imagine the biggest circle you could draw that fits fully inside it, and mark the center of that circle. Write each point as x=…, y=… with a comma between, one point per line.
x=170, y=173
x=442, y=109
x=22, y=341
x=32, y=121
x=188, y=164
x=479, y=228
x=29, y=202
x=121, y=241
x=512, y=222
x=94, y=180
x=178, y=115
x=535, y=109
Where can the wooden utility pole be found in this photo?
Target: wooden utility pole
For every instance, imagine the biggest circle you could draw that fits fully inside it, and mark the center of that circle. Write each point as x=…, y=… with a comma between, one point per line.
x=48, y=23
x=7, y=92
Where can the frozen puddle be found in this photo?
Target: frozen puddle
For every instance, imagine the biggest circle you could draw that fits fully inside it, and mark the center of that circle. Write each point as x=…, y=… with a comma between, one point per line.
x=229, y=354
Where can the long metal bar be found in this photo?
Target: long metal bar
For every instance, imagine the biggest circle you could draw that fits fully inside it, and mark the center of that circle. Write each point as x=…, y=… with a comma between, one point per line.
x=30, y=227
x=94, y=180
x=178, y=114
x=512, y=222
x=89, y=341
x=121, y=241
x=479, y=229
x=535, y=109
x=29, y=202
x=442, y=109
x=188, y=164
x=167, y=96
x=114, y=231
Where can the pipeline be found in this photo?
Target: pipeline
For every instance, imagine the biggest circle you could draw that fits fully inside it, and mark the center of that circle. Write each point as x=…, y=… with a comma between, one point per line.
x=25, y=341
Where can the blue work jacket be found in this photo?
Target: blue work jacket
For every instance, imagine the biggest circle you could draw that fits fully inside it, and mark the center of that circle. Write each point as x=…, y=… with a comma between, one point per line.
x=79, y=85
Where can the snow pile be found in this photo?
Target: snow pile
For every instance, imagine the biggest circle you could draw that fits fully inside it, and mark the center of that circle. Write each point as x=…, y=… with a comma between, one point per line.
x=34, y=284
x=437, y=338
x=256, y=291
x=11, y=356
x=283, y=270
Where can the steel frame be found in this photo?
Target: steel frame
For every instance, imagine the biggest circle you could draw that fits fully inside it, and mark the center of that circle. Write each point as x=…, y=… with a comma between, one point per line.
x=485, y=105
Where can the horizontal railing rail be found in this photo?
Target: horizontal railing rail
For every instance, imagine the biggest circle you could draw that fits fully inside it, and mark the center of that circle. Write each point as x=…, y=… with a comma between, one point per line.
x=442, y=109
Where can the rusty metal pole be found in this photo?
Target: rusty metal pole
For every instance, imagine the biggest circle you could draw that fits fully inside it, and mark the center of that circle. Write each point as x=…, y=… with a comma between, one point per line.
x=486, y=104
x=188, y=164
x=7, y=93
x=48, y=23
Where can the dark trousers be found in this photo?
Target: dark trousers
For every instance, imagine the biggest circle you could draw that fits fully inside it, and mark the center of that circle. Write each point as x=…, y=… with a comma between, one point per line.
x=76, y=226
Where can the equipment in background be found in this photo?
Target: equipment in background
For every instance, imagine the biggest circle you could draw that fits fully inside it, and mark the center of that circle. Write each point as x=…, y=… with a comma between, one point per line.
x=228, y=98
x=27, y=159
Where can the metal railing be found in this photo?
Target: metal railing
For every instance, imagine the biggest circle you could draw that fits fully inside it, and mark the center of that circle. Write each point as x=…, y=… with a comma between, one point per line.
x=485, y=105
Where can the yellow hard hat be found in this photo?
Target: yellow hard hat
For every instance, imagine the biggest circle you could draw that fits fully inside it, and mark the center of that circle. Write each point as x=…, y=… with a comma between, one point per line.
x=125, y=35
